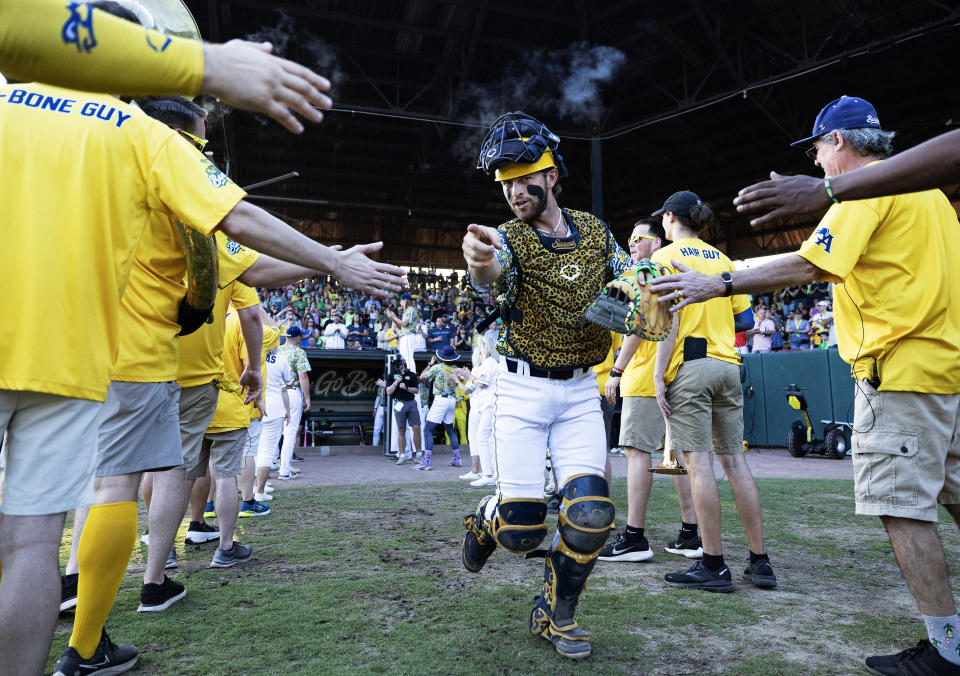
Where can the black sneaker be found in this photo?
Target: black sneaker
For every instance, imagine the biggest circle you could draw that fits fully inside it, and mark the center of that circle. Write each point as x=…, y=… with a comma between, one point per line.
x=922, y=659
x=698, y=576
x=623, y=549
x=157, y=597
x=692, y=547
x=553, y=504
x=68, y=592
x=296, y=458
x=760, y=574
x=109, y=658
x=200, y=532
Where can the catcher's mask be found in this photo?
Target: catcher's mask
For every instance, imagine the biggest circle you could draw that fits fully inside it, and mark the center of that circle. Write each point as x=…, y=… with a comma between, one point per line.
x=517, y=145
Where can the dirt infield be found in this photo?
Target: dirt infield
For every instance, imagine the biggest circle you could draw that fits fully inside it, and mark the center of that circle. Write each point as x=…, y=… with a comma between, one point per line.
x=365, y=464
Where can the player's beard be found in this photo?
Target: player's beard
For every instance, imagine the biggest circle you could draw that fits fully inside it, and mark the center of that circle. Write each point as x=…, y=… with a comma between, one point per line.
x=535, y=206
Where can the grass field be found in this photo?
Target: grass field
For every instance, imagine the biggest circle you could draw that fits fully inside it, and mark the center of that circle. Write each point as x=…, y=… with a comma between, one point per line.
x=367, y=579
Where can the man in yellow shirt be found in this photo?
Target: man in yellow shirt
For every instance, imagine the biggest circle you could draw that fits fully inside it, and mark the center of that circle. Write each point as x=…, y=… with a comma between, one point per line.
x=85, y=236
x=898, y=326
x=642, y=429
x=704, y=403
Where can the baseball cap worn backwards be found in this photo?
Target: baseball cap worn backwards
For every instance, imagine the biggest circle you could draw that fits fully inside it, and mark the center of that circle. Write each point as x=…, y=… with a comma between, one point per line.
x=847, y=112
x=680, y=202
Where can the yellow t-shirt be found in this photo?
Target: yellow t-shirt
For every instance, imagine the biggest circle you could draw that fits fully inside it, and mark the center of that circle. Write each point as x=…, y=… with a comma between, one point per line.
x=52, y=41
x=82, y=174
x=231, y=413
x=603, y=368
x=200, y=352
x=149, y=332
x=892, y=259
x=637, y=378
x=712, y=320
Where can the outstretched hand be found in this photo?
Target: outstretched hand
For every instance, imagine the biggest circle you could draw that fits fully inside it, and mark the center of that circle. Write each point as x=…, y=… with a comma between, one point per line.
x=246, y=75
x=356, y=271
x=687, y=286
x=479, y=245
x=782, y=197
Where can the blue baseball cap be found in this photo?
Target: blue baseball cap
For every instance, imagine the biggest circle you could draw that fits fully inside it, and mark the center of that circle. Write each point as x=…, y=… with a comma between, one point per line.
x=405, y=296
x=847, y=112
x=293, y=331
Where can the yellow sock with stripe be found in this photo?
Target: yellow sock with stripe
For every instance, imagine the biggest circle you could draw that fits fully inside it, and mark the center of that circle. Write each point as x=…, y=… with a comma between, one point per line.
x=103, y=554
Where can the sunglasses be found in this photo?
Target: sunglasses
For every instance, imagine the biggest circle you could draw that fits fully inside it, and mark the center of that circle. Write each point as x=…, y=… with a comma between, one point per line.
x=636, y=238
x=811, y=152
x=195, y=140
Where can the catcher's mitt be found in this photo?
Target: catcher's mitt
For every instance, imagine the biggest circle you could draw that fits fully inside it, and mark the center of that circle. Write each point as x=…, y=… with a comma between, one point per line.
x=626, y=305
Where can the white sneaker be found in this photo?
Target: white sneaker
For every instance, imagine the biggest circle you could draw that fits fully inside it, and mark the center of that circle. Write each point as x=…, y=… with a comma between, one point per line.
x=402, y=459
x=485, y=481
x=268, y=488
x=274, y=465
x=469, y=476
x=145, y=538
x=288, y=477
x=262, y=497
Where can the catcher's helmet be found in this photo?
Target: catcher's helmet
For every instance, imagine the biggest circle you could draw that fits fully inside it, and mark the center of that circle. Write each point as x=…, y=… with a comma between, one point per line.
x=518, y=144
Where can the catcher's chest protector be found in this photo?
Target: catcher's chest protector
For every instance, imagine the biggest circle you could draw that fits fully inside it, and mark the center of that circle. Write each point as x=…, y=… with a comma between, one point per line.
x=553, y=290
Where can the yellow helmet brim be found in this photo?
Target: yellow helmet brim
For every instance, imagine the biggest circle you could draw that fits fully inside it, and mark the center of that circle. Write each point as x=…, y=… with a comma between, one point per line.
x=513, y=170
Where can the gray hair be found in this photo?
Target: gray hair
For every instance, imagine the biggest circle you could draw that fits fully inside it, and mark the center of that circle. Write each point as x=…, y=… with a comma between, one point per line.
x=866, y=141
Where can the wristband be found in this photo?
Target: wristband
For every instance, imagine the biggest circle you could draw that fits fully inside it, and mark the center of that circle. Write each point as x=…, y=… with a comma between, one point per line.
x=615, y=372
x=826, y=185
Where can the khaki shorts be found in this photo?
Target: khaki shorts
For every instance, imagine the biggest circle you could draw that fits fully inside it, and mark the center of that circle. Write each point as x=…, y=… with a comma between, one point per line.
x=906, y=453
x=140, y=430
x=706, y=405
x=224, y=450
x=51, y=452
x=197, y=406
x=641, y=424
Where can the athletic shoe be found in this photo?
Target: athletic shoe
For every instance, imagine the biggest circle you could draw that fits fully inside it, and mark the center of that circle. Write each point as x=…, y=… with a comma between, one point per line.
x=478, y=544
x=248, y=509
x=145, y=538
x=401, y=459
x=236, y=554
x=698, y=576
x=288, y=477
x=692, y=547
x=418, y=458
x=567, y=637
x=157, y=597
x=469, y=476
x=262, y=497
x=109, y=658
x=921, y=659
x=268, y=487
x=618, y=451
x=201, y=532
x=209, y=512
x=553, y=504
x=171, y=559
x=760, y=574
x=623, y=549
x=296, y=458
x=424, y=466
x=485, y=481
x=455, y=463
x=68, y=591
x=274, y=465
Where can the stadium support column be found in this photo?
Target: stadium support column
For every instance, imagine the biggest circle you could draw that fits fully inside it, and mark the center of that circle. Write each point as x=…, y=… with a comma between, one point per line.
x=596, y=175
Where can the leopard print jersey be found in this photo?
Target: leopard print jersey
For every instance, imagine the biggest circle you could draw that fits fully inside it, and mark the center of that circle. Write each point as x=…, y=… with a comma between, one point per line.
x=553, y=290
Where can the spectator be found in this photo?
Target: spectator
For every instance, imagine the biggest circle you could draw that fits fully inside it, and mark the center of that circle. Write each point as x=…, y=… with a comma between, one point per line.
x=798, y=329
x=790, y=297
x=310, y=330
x=439, y=335
x=463, y=340
x=335, y=333
x=357, y=333
x=762, y=332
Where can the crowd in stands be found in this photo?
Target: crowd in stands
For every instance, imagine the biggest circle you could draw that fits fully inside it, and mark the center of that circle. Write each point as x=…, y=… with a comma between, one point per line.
x=796, y=318
x=331, y=317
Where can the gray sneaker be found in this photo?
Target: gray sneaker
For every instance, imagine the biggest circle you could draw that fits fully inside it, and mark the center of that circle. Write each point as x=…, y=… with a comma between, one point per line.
x=171, y=559
x=236, y=554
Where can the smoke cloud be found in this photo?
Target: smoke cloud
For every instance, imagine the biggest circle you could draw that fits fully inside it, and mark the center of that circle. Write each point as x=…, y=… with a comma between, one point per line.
x=294, y=43
x=565, y=84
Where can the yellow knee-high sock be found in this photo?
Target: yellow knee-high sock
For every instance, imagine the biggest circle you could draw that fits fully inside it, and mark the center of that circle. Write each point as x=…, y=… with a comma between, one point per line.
x=105, y=547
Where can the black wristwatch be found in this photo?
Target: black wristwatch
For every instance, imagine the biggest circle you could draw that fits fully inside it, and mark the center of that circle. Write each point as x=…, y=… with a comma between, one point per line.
x=727, y=282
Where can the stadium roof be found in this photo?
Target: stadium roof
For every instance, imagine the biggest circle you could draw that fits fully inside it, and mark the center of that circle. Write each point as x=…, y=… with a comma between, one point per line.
x=648, y=97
